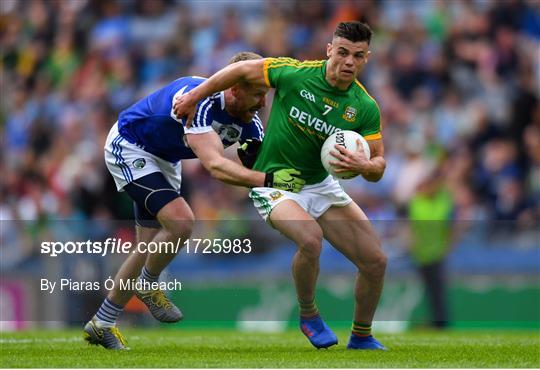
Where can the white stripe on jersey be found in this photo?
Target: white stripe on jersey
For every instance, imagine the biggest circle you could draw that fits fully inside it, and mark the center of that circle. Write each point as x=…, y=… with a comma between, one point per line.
x=206, y=110
x=259, y=127
x=197, y=121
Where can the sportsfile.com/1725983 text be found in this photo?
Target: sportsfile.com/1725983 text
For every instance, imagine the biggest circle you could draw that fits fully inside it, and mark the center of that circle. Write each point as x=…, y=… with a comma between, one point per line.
x=119, y=246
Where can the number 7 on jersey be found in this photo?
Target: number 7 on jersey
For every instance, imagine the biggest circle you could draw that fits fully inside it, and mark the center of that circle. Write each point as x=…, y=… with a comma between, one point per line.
x=327, y=109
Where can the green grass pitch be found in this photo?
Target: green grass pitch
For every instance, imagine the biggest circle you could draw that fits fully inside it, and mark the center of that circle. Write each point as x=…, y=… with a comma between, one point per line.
x=187, y=348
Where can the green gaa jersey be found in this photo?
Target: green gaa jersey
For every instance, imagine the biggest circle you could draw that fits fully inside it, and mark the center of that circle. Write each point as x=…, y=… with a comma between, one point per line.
x=306, y=110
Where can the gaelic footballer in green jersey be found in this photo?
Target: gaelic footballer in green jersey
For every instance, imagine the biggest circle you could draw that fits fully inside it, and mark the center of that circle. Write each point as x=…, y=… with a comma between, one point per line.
x=313, y=99
x=306, y=110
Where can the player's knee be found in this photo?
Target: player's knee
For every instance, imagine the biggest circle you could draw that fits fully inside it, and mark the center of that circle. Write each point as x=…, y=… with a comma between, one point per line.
x=376, y=266
x=311, y=244
x=176, y=216
x=178, y=223
x=179, y=229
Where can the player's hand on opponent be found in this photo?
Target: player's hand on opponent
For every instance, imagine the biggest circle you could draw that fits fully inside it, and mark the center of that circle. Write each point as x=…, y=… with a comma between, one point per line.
x=185, y=107
x=350, y=161
x=287, y=179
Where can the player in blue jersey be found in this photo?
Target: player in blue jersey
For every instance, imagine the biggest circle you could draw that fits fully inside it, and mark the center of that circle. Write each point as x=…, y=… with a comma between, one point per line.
x=143, y=152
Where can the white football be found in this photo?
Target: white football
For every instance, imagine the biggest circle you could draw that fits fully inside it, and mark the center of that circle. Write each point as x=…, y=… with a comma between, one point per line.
x=347, y=139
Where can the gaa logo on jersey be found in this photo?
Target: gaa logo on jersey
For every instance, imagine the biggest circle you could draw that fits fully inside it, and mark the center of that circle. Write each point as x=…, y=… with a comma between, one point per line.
x=307, y=95
x=350, y=114
x=139, y=163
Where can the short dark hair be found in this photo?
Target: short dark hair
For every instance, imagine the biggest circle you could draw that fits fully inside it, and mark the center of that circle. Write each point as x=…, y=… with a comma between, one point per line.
x=354, y=31
x=244, y=55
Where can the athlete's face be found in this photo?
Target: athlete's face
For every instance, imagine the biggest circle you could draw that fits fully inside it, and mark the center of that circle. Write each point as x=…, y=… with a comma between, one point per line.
x=248, y=99
x=346, y=59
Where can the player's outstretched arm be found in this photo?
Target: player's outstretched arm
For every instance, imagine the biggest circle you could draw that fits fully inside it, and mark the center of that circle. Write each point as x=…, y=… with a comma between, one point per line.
x=248, y=71
x=209, y=150
x=370, y=169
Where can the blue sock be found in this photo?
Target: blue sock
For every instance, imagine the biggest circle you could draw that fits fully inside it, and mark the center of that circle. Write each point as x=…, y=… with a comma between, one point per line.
x=147, y=276
x=108, y=313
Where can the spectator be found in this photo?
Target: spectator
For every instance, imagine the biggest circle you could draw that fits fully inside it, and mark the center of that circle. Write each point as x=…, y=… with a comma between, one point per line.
x=430, y=212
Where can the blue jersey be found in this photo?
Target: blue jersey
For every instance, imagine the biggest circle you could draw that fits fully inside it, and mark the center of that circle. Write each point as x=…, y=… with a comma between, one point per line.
x=151, y=124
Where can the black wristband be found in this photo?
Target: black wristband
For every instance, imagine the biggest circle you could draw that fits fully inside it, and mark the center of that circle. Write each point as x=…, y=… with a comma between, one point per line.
x=269, y=180
x=248, y=159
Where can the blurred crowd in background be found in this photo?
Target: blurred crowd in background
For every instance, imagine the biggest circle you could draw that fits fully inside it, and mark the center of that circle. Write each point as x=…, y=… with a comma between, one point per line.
x=457, y=83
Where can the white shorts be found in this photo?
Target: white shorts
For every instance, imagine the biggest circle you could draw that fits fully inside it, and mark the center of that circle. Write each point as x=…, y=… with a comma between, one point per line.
x=127, y=162
x=314, y=199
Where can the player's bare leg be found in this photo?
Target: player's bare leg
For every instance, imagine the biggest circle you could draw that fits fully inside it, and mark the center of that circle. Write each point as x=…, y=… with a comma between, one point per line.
x=296, y=224
x=106, y=333
x=131, y=268
x=349, y=231
x=176, y=219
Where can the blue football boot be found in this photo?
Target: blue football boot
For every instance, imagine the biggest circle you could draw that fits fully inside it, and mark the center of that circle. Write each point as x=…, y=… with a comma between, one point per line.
x=318, y=333
x=356, y=342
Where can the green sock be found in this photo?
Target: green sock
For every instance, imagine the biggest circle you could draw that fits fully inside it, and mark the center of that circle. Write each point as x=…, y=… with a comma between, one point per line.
x=308, y=309
x=361, y=329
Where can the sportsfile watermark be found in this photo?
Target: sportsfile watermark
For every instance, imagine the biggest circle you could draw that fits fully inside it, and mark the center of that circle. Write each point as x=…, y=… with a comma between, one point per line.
x=240, y=270
x=119, y=246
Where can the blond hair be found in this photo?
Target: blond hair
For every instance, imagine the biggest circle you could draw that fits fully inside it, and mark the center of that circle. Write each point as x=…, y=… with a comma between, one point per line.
x=244, y=55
